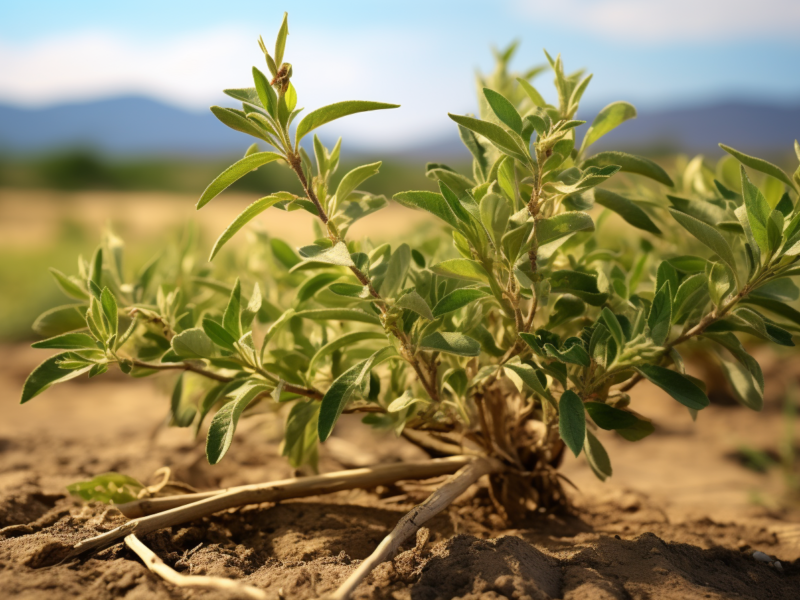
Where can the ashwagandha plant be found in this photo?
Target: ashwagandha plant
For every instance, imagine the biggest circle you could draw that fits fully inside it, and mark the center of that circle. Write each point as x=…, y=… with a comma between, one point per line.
x=498, y=352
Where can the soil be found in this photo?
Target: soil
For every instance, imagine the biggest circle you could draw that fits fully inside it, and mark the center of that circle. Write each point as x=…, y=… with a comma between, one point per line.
x=677, y=519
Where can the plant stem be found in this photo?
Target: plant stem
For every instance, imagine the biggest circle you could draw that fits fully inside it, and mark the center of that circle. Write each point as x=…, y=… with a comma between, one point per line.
x=430, y=387
x=698, y=329
x=297, y=167
x=183, y=366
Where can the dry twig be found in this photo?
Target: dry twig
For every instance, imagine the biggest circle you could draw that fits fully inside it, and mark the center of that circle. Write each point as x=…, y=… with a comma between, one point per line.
x=170, y=575
x=412, y=521
x=211, y=502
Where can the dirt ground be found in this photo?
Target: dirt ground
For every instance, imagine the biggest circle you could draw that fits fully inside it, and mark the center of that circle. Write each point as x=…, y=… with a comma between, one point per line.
x=677, y=519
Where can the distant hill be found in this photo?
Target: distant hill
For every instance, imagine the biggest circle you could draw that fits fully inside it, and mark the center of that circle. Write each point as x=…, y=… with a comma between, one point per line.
x=143, y=126
x=125, y=126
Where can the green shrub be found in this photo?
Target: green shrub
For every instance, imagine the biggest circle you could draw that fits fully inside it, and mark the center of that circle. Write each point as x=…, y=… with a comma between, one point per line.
x=520, y=339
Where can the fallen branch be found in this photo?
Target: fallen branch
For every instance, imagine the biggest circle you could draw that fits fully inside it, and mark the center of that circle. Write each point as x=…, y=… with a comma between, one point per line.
x=412, y=521
x=170, y=575
x=212, y=502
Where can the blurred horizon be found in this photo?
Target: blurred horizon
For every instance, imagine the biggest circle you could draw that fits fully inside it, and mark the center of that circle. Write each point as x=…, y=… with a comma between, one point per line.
x=661, y=56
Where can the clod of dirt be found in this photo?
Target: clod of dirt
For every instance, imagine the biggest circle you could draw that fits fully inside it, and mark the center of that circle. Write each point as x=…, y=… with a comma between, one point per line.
x=469, y=568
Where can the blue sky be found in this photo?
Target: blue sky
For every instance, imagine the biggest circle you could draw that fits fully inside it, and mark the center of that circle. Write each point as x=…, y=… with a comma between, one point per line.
x=655, y=53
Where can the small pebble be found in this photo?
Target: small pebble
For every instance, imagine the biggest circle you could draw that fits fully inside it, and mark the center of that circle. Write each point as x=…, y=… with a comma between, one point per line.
x=761, y=557
x=778, y=566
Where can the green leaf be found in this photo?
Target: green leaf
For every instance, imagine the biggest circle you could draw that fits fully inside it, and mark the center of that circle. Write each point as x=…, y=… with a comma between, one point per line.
x=758, y=213
x=551, y=233
x=248, y=95
x=300, y=440
x=476, y=149
x=343, y=388
x=343, y=341
x=403, y=402
x=218, y=334
x=223, y=425
x=660, y=317
x=353, y=179
x=498, y=136
x=571, y=421
x=194, y=343
x=458, y=299
x=231, y=318
x=182, y=414
x=743, y=385
x=109, y=305
x=47, y=374
x=459, y=209
x=431, y=201
x=338, y=314
x=68, y=286
x=640, y=430
x=532, y=93
x=495, y=212
x=68, y=341
x=414, y=302
x=778, y=307
x=314, y=284
x=597, y=457
x=530, y=377
x=582, y=285
x=575, y=354
x=626, y=209
x=284, y=253
x=326, y=114
x=607, y=119
x=680, y=387
x=731, y=343
x=266, y=95
x=96, y=273
x=688, y=264
x=108, y=488
x=611, y=321
x=280, y=41
x=504, y=110
x=238, y=121
x=688, y=292
x=335, y=255
x=708, y=236
x=610, y=418
x=462, y=268
x=235, y=172
x=60, y=319
x=276, y=327
x=760, y=165
x=247, y=215
x=451, y=343
x=350, y=290
x=630, y=163
x=396, y=271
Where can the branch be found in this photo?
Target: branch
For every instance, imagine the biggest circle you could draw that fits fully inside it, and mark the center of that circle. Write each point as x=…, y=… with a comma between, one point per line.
x=188, y=507
x=170, y=575
x=183, y=366
x=413, y=520
x=297, y=167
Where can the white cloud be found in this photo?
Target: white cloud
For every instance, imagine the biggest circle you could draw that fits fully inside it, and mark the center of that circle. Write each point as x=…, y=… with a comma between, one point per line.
x=191, y=70
x=659, y=21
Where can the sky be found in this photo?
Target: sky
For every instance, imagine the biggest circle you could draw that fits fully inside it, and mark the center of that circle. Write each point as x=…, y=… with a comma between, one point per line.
x=420, y=54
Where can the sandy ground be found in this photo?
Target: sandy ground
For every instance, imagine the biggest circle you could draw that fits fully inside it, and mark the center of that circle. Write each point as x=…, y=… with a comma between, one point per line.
x=675, y=521
x=31, y=218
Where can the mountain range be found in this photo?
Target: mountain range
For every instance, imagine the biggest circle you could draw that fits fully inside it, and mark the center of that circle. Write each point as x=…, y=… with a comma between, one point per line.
x=136, y=126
